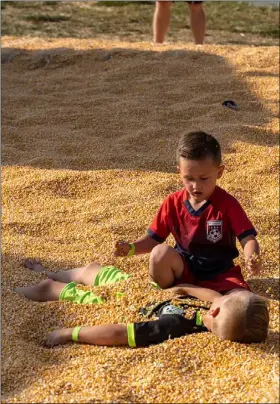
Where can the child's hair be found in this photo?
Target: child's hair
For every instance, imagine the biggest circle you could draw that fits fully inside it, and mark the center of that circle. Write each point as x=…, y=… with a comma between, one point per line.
x=198, y=146
x=245, y=319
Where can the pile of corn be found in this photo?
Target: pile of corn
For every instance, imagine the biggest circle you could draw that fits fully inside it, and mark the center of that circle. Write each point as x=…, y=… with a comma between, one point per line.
x=89, y=138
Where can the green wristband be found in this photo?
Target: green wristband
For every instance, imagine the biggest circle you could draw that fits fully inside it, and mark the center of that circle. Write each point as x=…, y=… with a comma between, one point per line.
x=75, y=334
x=132, y=250
x=131, y=335
x=198, y=320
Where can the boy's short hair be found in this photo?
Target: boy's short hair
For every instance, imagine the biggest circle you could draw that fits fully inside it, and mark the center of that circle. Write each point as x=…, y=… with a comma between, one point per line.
x=245, y=319
x=198, y=146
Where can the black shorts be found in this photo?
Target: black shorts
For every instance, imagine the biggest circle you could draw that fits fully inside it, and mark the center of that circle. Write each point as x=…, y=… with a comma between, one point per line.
x=167, y=326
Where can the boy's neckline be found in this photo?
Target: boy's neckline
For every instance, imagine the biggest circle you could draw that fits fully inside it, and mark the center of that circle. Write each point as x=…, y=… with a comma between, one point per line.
x=201, y=209
x=193, y=211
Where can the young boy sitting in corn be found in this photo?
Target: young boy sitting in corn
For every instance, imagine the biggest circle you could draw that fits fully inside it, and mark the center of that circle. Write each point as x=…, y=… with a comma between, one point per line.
x=239, y=315
x=205, y=221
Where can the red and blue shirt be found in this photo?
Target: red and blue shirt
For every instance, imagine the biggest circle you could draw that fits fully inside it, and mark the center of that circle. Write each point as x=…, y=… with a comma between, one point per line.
x=205, y=237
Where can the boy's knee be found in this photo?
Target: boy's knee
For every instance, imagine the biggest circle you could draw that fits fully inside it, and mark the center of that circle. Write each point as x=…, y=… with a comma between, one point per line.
x=91, y=265
x=159, y=252
x=45, y=284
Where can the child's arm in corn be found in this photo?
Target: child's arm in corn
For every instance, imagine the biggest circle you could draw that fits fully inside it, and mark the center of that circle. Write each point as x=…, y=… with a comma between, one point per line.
x=143, y=245
x=132, y=334
x=107, y=334
x=205, y=294
x=251, y=251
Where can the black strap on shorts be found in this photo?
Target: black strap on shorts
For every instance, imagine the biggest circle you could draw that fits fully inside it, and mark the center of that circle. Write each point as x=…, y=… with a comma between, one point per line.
x=156, y=308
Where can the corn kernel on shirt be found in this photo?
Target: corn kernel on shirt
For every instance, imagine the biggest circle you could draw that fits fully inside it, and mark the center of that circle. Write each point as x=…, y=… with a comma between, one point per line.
x=206, y=237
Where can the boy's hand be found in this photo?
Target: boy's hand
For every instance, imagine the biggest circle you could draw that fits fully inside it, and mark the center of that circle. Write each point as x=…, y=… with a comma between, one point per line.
x=59, y=337
x=253, y=264
x=122, y=248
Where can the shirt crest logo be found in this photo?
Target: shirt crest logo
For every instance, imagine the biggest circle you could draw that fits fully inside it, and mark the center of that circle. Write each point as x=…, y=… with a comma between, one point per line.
x=214, y=230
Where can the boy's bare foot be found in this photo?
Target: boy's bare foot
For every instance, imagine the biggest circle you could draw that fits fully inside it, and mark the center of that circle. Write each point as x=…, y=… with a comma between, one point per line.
x=34, y=265
x=59, y=337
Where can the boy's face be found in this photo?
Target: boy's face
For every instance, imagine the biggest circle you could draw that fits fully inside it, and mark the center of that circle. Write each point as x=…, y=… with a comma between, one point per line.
x=199, y=177
x=214, y=311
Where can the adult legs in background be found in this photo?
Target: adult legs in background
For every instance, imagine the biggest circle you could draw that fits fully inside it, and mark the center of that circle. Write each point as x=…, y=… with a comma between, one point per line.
x=161, y=20
x=197, y=21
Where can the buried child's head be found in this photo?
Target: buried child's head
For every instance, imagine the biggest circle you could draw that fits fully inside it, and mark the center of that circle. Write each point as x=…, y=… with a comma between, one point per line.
x=240, y=316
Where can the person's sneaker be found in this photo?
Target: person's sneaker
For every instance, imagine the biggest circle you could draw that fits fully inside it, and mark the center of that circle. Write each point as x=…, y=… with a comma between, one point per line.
x=230, y=104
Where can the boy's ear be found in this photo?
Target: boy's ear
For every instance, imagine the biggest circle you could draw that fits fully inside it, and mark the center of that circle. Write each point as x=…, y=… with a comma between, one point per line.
x=178, y=169
x=220, y=171
x=214, y=312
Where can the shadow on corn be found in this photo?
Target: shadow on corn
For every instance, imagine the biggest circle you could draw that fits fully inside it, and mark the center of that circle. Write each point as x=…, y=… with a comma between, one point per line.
x=120, y=108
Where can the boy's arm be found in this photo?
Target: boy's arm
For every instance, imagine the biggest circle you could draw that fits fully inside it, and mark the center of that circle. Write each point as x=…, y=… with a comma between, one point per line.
x=205, y=294
x=108, y=334
x=251, y=251
x=143, y=245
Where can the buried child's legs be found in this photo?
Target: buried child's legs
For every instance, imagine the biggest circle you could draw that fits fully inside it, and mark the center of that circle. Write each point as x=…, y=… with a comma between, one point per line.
x=166, y=265
x=45, y=291
x=84, y=275
x=50, y=289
